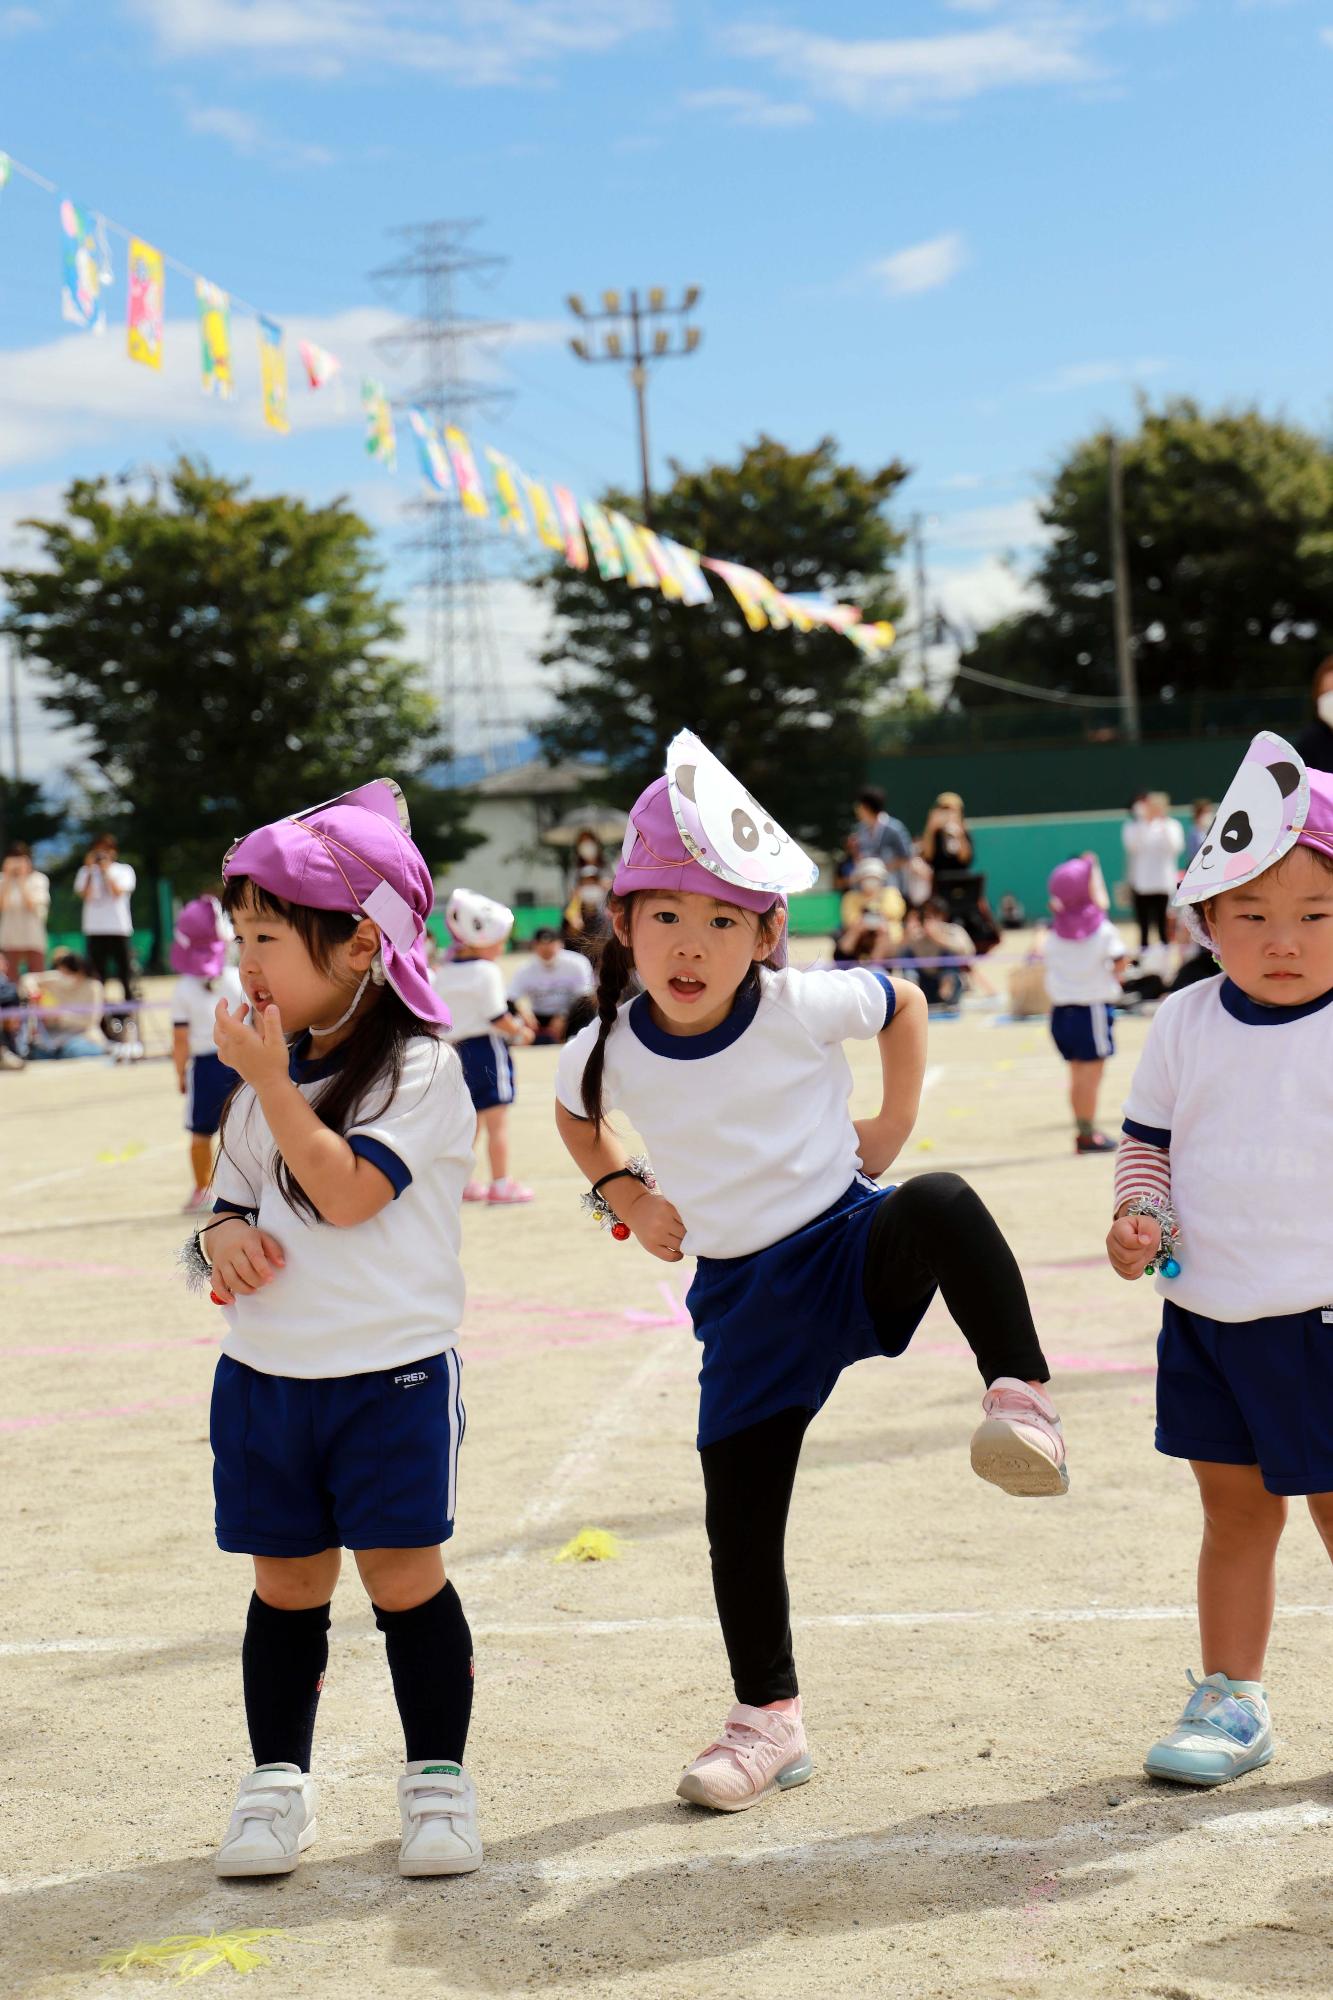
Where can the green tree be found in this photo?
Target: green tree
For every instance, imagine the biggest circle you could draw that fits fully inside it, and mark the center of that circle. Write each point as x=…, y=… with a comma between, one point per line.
x=785, y=710
x=1229, y=539
x=230, y=658
x=24, y=815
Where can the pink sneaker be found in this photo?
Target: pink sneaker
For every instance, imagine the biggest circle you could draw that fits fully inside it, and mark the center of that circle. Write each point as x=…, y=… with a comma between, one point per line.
x=1020, y=1446
x=475, y=1191
x=507, y=1191
x=199, y=1199
x=760, y=1750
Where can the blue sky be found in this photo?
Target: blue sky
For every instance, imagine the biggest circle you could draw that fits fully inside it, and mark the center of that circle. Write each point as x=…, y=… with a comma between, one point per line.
x=957, y=232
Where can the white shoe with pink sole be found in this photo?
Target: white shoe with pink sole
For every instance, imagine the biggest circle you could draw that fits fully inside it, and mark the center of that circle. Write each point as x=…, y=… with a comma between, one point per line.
x=502, y=1193
x=760, y=1750
x=1020, y=1446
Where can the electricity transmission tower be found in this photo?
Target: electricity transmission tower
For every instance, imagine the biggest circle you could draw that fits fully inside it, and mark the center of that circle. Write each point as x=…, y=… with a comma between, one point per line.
x=462, y=651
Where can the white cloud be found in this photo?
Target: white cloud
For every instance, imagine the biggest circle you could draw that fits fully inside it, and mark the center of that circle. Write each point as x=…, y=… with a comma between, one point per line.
x=472, y=42
x=922, y=266
x=892, y=75
x=1092, y=374
x=748, y=107
x=1326, y=37
x=962, y=482
x=19, y=20
x=981, y=593
x=987, y=531
x=246, y=136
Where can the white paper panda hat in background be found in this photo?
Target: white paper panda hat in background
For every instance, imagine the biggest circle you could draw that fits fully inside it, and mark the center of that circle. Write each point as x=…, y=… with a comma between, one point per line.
x=476, y=920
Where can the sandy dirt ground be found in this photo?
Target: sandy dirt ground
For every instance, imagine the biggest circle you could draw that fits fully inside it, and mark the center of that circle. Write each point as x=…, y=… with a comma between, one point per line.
x=981, y=1674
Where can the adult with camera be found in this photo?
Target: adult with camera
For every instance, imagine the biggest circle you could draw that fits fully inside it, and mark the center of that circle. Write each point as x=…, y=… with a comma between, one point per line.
x=105, y=883
x=25, y=898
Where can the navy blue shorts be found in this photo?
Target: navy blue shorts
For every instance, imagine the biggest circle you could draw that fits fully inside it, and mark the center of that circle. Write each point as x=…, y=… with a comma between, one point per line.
x=488, y=1070
x=779, y=1326
x=348, y=1461
x=208, y=1085
x=1084, y=1034
x=1252, y=1392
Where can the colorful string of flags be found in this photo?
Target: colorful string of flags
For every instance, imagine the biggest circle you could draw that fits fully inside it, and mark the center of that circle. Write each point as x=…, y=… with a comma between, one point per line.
x=584, y=534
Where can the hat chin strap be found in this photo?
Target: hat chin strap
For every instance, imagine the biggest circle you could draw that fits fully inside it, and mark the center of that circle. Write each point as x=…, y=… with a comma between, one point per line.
x=343, y=1019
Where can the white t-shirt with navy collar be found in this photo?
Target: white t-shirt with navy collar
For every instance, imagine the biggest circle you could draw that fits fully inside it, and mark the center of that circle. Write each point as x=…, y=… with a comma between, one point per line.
x=382, y=1292
x=1242, y=1095
x=747, y=1127
x=473, y=990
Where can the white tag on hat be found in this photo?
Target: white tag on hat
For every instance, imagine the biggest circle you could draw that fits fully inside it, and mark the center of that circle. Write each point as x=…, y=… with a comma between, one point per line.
x=395, y=919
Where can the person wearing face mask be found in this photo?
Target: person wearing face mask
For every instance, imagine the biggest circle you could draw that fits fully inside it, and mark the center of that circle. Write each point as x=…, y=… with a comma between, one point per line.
x=1315, y=741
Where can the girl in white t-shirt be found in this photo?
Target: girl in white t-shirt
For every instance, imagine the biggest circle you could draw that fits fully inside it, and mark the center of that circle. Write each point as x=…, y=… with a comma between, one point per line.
x=199, y=959
x=484, y=1025
x=1224, y=1185
x=334, y=1253
x=730, y=1065
x=1083, y=955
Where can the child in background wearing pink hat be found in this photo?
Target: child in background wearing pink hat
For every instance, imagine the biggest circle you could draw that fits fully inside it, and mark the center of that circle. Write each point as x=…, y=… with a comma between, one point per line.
x=1084, y=954
x=199, y=958
x=334, y=1252
x=483, y=1026
x=1224, y=1185
x=730, y=1065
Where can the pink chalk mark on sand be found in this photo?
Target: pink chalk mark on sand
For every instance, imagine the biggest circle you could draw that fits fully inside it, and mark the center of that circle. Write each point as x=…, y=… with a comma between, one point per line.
x=49, y=1417
x=14, y=1261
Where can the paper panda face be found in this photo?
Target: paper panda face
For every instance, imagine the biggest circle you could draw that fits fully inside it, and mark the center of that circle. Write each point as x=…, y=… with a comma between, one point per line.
x=725, y=827
x=1257, y=822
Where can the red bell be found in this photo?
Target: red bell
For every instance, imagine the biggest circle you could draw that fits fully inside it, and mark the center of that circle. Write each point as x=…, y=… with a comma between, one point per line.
x=620, y=1230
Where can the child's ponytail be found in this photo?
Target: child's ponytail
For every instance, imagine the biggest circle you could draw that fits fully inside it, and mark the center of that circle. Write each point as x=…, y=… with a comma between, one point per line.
x=615, y=970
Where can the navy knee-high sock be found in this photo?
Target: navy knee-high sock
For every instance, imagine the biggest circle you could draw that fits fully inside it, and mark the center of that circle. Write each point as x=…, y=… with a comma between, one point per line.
x=283, y=1659
x=430, y=1659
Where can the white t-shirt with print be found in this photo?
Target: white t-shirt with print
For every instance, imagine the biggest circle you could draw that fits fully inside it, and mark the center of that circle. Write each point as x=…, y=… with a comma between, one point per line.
x=552, y=988
x=107, y=911
x=194, y=1003
x=473, y=991
x=747, y=1127
x=1080, y=972
x=381, y=1292
x=1243, y=1096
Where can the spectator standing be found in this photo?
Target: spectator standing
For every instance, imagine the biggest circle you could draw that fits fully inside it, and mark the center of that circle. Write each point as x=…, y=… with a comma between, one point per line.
x=1153, y=848
x=25, y=898
x=1202, y=814
x=106, y=883
x=1315, y=741
x=553, y=983
x=880, y=837
x=946, y=844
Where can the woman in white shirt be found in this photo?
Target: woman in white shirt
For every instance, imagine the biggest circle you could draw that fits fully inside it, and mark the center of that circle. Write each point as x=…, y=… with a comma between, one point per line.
x=1154, y=843
x=25, y=898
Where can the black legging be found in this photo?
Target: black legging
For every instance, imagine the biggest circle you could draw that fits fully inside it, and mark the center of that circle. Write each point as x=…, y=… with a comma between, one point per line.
x=933, y=1230
x=110, y=955
x=1150, y=911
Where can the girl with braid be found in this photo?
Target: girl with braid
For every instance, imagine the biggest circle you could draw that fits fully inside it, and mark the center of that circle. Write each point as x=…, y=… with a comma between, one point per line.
x=730, y=1064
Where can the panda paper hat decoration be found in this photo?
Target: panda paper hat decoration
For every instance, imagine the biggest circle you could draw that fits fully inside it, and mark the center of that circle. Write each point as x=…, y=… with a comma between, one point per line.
x=477, y=920
x=726, y=830
x=1262, y=816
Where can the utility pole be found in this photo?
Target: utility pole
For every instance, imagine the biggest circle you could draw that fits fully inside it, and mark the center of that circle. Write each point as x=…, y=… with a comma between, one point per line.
x=636, y=333
x=12, y=678
x=1125, y=670
x=919, y=569
x=461, y=643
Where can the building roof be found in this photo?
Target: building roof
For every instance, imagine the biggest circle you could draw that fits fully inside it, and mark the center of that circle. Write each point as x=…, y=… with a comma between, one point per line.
x=539, y=780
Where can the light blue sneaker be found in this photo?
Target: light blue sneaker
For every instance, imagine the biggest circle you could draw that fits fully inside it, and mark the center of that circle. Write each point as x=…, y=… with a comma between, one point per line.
x=1224, y=1730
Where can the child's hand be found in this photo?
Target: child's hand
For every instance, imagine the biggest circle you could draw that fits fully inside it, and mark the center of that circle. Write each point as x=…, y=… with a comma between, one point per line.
x=257, y=1051
x=1132, y=1243
x=244, y=1258
x=181, y=1080
x=657, y=1225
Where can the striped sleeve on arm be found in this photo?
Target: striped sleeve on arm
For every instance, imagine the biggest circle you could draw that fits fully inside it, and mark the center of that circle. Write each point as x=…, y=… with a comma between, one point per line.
x=1141, y=1168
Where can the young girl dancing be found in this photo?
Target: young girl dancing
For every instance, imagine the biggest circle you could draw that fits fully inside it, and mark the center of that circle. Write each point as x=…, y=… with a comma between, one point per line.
x=1224, y=1186
x=484, y=1024
x=199, y=959
x=730, y=1065
x=336, y=1414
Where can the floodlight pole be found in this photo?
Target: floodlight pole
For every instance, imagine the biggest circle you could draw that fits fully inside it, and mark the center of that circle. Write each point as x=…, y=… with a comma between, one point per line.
x=637, y=320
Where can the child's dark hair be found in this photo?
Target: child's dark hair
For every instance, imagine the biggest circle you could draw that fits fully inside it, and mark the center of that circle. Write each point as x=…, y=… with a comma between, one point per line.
x=372, y=1054
x=615, y=971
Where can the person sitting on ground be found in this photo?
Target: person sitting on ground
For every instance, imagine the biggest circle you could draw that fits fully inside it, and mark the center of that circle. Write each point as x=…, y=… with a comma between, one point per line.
x=871, y=914
x=71, y=1000
x=543, y=993
x=1011, y=913
x=929, y=935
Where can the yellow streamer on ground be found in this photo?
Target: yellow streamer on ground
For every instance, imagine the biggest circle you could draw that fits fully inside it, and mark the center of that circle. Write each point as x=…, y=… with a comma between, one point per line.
x=591, y=1545
x=194, y=1956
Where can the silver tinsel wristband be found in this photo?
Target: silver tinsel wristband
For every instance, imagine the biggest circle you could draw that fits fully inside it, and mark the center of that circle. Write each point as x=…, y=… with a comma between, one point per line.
x=1163, y=1214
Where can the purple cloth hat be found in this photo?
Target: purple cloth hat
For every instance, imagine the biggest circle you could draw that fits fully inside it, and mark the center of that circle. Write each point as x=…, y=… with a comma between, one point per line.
x=655, y=857
x=200, y=939
x=1074, y=913
x=1318, y=829
x=355, y=853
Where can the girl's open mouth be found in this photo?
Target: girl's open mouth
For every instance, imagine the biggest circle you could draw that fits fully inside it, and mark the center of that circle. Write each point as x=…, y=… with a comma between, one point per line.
x=683, y=988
